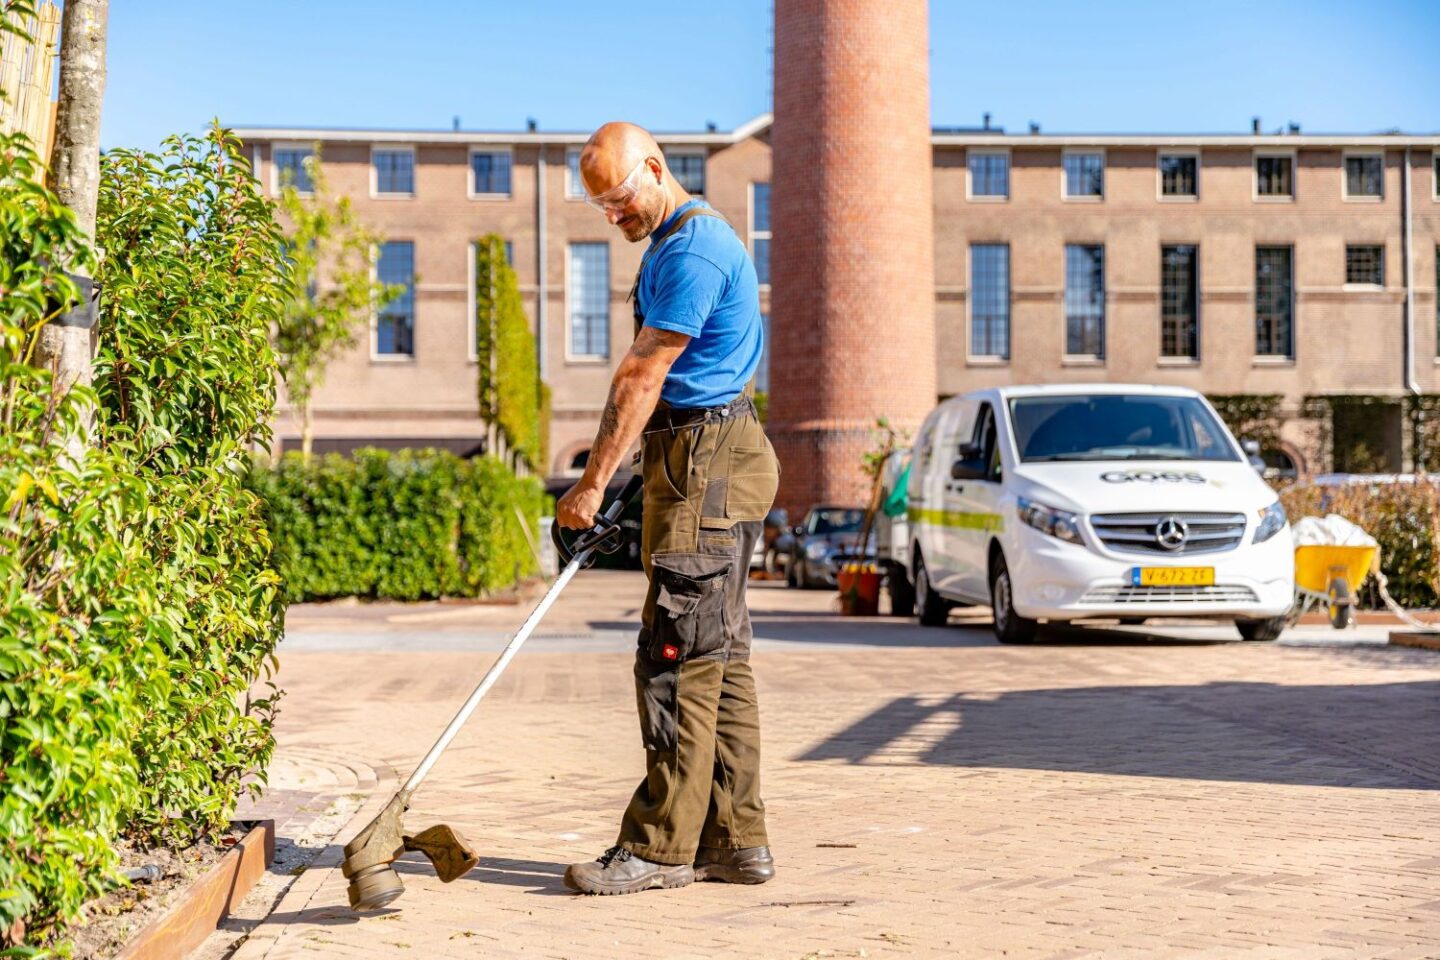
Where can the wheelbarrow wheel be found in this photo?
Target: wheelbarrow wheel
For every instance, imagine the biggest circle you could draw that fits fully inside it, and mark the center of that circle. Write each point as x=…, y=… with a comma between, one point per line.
x=1342, y=604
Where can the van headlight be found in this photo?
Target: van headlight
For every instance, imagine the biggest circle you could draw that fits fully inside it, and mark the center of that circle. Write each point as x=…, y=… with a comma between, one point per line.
x=817, y=550
x=1272, y=521
x=1057, y=523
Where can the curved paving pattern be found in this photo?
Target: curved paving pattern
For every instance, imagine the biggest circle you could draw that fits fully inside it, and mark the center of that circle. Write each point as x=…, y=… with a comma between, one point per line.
x=930, y=793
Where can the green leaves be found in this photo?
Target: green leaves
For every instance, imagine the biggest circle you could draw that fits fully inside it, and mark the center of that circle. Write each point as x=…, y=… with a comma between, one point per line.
x=411, y=525
x=511, y=394
x=137, y=599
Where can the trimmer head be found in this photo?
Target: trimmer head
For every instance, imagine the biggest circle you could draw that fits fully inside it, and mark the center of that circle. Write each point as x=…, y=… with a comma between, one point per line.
x=368, y=858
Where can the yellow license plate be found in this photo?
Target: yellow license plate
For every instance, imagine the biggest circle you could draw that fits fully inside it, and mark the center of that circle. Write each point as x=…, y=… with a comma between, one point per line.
x=1172, y=576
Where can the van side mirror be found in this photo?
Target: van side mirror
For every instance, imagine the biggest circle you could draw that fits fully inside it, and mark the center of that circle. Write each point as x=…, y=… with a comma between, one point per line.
x=1251, y=447
x=970, y=450
x=967, y=469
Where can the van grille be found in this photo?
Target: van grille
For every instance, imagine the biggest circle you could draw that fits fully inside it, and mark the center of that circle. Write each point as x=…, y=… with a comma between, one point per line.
x=1217, y=595
x=1136, y=532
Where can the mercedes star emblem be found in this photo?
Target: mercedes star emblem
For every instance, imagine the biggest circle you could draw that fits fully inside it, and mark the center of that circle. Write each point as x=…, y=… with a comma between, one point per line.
x=1171, y=532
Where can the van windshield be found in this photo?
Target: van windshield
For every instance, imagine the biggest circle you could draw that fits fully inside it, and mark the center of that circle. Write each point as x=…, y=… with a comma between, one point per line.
x=1117, y=427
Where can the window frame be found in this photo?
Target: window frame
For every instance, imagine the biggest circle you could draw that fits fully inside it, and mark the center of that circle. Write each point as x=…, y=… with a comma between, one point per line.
x=375, y=192
x=983, y=359
x=470, y=193
x=586, y=359
x=1435, y=175
x=574, y=187
x=375, y=355
x=1360, y=284
x=1084, y=359
x=1160, y=194
x=1267, y=152
x=1065, y=193
x=767, y=235
x=275, y=168
x=1275, y=358
x=970, y=195
x=690, y=153
x=1345, y=194
x=1181, y=361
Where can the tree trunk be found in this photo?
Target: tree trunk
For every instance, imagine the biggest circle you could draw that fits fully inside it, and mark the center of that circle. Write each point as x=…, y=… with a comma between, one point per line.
x=75, y=172
x=307, y=432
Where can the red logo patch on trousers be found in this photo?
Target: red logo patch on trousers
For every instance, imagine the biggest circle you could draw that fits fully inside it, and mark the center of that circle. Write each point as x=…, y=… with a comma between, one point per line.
x=669, y=652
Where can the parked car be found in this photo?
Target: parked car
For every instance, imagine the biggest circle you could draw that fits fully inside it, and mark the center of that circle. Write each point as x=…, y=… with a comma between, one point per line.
x=1059, y=503
x=827, y=538
x=778, y=540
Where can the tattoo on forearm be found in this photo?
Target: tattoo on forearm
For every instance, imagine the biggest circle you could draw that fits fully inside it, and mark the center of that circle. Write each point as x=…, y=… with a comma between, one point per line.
x=609, y=419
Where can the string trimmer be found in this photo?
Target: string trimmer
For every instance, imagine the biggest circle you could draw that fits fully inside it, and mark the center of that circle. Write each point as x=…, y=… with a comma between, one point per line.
x=368, y=858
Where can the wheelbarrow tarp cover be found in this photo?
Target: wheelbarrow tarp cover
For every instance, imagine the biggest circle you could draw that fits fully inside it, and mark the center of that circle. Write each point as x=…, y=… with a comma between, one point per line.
x=1331, y=531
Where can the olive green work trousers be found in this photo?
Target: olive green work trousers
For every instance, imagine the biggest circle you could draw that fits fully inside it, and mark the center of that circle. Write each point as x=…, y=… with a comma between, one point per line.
x=707, y=490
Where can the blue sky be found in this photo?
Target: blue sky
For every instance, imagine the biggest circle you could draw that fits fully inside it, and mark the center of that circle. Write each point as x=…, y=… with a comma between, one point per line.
x=1101, y=66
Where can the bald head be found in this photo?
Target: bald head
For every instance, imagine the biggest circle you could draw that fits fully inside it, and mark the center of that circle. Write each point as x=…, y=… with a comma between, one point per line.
x=611, y=155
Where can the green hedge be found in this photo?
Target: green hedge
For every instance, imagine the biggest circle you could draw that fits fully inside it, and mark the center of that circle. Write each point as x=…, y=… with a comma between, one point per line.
x=137, y=601
x=409, y=525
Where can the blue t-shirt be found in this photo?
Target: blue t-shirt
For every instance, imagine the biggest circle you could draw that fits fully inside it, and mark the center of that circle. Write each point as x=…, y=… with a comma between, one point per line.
x=700, y=281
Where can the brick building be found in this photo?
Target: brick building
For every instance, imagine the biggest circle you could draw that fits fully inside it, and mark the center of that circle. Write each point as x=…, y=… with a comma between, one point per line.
x=1284, y=265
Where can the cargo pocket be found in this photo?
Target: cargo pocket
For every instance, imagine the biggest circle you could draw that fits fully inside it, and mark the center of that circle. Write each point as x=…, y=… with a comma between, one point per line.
x=689, y=606
x=657, y=692
x=753, y=481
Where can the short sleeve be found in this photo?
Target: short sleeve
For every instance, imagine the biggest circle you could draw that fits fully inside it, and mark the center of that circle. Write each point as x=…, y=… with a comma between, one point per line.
x=687, y=288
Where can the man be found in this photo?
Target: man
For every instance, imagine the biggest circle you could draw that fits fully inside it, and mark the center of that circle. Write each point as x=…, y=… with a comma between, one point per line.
x=710, y=477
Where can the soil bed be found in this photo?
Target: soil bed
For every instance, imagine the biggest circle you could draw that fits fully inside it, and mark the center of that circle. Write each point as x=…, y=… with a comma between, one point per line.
x=122, y=913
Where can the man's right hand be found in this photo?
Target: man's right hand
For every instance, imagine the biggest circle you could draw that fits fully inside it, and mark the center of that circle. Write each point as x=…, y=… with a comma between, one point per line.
x=576, y=510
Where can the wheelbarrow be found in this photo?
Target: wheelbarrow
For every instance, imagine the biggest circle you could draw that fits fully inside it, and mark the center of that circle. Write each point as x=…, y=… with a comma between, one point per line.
x=1330, y=576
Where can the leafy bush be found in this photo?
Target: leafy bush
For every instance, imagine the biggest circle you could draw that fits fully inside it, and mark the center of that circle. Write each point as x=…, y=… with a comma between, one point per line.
x=410, y=525
x=139, y=604
x=511, y=394
x=193, y=280
x=1403, y=517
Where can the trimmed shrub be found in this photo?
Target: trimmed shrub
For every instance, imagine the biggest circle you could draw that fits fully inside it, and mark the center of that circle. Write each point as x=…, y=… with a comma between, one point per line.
x=408, y=525
x=1403, y=517
x=139, y=605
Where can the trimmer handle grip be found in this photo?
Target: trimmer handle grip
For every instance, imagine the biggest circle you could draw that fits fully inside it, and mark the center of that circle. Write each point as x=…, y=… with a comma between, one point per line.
x=605, y=537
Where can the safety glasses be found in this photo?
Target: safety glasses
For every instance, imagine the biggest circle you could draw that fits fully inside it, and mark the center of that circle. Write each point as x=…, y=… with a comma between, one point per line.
x=618, y=197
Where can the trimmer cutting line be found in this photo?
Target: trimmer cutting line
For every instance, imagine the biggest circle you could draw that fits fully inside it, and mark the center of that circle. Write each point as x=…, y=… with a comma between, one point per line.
x=368, y=858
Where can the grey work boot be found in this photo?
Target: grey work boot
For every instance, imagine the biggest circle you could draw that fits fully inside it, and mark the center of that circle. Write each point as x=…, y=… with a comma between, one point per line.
x=617, y=870
x=748, y=865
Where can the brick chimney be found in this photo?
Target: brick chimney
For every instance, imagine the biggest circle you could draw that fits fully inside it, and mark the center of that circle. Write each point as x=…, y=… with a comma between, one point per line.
x=852, y=267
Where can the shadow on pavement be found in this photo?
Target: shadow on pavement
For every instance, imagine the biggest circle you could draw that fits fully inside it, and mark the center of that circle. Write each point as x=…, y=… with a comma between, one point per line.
x=539, y=877
x=1377, y=736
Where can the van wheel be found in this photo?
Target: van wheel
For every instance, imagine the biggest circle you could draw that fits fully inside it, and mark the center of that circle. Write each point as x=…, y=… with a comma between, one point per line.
x=902, y=594
x=1010, y=627
x=1261, y=629
x=934, y=609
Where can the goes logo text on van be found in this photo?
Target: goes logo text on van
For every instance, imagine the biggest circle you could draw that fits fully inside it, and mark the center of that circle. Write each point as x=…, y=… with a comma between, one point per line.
x=1150, y=476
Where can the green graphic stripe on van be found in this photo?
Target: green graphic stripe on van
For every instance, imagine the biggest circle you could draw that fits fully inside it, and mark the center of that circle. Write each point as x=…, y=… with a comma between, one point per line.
x=990, y=522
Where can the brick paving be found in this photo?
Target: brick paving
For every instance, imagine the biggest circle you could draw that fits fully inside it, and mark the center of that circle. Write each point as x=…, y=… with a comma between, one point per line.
x=1107, y=793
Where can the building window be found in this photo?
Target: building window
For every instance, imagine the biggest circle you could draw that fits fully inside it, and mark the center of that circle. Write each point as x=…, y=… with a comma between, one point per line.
x=1275, y=176
x=989, y=173
x=762, y=372
x=574, y=186
x=1365, y=264
x=590, y=301
x=394, y=170
x=689, y=170
x=1085, y=301
x=1364, y=177
x=1179, y=175
x=1274, y=302
x=1084, y=173
x=1435, y=175
x=490, y=173
x=760, y=230
x=292, y=168
x=990, y=300
x=1179, y=299
x=395, y=326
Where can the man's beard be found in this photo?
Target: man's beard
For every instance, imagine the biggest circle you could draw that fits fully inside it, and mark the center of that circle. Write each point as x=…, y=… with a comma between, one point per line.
x=644, y=223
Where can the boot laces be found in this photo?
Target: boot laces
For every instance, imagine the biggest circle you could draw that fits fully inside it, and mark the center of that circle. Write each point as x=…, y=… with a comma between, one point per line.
x=615, y=853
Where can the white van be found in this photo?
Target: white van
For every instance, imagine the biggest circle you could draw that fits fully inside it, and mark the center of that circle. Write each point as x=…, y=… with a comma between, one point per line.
x=1085, y=501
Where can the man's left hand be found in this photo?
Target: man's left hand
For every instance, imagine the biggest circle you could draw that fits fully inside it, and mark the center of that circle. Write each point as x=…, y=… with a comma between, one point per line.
x=577, y=509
